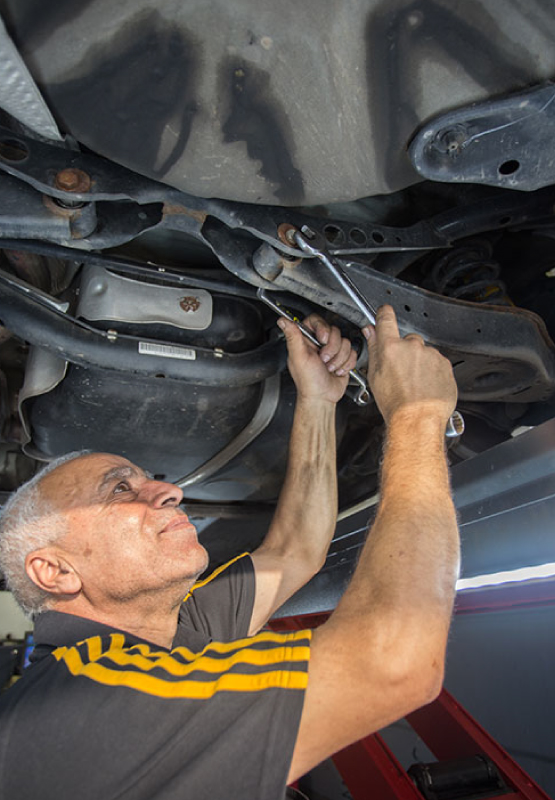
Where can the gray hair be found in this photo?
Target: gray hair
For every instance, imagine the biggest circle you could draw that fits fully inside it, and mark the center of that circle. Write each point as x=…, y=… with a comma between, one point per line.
x=28, y=523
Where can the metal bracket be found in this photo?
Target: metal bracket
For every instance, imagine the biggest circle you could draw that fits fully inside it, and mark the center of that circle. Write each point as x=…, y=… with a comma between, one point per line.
x=508, y=143
x=498, y=354
x=74, y=177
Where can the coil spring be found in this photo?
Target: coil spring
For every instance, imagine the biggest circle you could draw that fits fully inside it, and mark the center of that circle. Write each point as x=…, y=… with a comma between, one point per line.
x=470, y=273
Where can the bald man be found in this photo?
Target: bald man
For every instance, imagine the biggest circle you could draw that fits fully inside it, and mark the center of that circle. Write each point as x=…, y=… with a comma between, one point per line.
x=149, y=684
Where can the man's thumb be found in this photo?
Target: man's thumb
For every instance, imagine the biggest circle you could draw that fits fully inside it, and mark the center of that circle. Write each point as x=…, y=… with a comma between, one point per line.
x=293, y=336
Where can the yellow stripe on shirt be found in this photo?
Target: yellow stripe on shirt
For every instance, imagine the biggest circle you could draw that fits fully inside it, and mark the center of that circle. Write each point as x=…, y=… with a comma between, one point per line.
x=199, y=690
x=227, y=681
x=117, y=645
x=259, y=658
x=213, y=575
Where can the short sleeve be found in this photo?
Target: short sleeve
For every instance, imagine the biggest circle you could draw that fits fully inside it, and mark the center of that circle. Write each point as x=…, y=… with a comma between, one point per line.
x=219, y=607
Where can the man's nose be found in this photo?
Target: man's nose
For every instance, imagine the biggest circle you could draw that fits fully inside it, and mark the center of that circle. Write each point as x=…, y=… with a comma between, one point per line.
x=160, y=494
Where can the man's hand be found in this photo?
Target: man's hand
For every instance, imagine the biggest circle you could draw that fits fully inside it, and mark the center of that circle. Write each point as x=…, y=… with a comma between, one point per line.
x=324, y=373
x=405, y=373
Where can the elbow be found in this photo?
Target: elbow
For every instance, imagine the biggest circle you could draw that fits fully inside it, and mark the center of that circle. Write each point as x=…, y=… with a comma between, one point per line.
x=413, y=672
x=312, y=560
x=422, y=680
x=319, y=562
x=431, y=685
x=419, y=650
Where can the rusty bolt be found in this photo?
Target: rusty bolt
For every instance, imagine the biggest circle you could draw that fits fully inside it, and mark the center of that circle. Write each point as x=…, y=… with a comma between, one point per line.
x=189, y=303
x=286, y=233
x=73, y=180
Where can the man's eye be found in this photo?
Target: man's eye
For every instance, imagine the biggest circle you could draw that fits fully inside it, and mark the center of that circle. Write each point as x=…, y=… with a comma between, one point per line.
x=122, y=486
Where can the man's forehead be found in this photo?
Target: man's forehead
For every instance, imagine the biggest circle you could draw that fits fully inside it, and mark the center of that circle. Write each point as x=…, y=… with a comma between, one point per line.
x=82, y=478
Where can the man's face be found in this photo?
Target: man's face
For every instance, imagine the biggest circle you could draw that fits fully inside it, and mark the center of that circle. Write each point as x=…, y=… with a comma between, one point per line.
x=126, y=535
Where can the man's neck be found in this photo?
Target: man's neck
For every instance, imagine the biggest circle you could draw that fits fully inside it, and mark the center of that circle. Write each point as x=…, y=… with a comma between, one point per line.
x=153, y=622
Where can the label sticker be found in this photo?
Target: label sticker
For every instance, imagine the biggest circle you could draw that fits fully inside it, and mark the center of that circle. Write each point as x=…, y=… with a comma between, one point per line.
x=167, y=351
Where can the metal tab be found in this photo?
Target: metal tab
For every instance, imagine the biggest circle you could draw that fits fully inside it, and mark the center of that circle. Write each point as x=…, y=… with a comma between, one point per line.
x=107, y=296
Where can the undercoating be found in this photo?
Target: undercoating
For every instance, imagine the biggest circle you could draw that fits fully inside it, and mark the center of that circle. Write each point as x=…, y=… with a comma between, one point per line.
x=277, y=103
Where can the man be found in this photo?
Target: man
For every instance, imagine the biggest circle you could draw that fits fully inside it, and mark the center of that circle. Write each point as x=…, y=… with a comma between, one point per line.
x=110, y=711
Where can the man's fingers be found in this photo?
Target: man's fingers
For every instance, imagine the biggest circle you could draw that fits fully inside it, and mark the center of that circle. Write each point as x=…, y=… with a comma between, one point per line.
x=319, y=327
x=414, y=337
x=348, y=365
x=333, y=346
x=369, y=333
x=337, y=353
x=341, y=357
x=386, y=324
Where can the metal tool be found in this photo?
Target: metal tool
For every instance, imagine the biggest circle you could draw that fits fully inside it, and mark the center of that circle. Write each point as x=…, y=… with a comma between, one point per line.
x=314, y=245
x=362, y=397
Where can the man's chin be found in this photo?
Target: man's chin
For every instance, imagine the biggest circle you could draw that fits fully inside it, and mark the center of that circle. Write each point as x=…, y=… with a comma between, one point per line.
x=201, y=560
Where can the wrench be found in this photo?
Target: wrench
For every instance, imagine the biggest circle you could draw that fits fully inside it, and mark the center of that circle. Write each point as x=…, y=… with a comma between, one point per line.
x=314, y=245
x=362, y=397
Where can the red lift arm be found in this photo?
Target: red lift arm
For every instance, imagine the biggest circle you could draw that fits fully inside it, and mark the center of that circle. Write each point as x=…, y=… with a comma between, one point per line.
x=371, y=771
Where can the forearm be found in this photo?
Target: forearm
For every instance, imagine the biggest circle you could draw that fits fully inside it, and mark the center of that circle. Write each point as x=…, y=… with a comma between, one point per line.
x=408, y=567
x=381, y=654
x=306, y=513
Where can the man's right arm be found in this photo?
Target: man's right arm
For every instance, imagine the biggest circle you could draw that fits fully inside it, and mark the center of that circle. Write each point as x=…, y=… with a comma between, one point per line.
x=381, y=654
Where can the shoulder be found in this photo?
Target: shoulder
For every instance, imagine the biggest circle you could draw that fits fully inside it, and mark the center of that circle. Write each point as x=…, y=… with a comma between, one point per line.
x=239, y=566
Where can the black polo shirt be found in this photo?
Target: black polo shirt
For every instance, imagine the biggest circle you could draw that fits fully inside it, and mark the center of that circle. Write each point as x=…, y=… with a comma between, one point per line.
x=101, y=714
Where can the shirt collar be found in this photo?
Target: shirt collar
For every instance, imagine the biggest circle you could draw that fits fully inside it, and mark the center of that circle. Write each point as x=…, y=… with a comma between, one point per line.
x=58, y=629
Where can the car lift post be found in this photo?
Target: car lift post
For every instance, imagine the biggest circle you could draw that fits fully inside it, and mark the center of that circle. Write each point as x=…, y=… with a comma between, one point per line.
x=371, y=771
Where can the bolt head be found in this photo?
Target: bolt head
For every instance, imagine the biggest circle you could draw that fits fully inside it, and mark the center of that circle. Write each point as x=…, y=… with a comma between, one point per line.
x=450, y=141
x=72, y=180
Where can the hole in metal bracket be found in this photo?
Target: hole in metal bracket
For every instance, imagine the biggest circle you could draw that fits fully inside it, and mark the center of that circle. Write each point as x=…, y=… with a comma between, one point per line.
x=509, y=167
x=13, y=150
x=358, y=236
x=334, y=235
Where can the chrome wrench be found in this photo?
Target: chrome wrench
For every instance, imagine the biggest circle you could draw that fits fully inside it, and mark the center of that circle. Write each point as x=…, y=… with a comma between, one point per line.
x=362, y=397
x=314, y=245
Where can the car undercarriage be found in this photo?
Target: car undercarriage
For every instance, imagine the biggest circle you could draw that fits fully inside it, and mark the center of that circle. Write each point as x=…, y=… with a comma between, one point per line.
x=154, y=157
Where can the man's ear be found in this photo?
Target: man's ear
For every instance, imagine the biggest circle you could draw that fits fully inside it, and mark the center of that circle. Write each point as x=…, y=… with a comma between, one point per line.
x=52, y=573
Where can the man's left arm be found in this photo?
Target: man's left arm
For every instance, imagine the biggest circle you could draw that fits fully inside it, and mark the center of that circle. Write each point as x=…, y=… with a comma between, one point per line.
x=298, y=539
